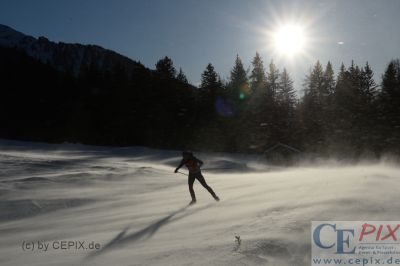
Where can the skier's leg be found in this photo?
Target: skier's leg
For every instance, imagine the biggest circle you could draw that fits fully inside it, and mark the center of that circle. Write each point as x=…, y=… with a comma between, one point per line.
x=190, y=183
x=203, y=182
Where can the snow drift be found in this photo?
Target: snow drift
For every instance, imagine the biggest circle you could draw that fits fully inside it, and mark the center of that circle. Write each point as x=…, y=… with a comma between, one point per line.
x=129, y=202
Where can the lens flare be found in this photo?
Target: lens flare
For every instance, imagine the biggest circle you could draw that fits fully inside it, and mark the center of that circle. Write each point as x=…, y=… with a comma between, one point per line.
x=223, y=109
x=244, y=91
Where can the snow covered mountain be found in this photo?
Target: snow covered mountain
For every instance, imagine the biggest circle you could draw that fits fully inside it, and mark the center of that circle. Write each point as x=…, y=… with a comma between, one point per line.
x=65, y=56
x=130, y=203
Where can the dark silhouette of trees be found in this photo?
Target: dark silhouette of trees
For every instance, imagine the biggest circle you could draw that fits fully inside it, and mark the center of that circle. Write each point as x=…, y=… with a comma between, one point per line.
x=350, y=114
x=211, y=125
x=238, y=86
x=389, y=108
x=238, y=93
x=286, y=105
x=254, y=116
x=272, y=80
x=165, y=67
x=313, y=109
x=210, y=89
x=286, y=93
x=209, y=78
x=182, y=77
x=257, y=77
x=329, y=79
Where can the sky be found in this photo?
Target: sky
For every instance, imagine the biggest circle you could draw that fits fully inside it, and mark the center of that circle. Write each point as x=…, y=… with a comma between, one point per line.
x=195, y=33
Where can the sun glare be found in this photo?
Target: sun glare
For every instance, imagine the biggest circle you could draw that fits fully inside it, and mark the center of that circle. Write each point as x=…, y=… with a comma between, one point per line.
x=289, y=40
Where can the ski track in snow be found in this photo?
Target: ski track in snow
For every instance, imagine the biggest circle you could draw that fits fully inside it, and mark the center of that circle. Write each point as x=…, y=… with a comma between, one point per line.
x=130, y=202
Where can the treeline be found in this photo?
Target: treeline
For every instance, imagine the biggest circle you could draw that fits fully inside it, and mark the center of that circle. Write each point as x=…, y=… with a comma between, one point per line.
x=100, y=107
x=348, y=114
x=345, y=114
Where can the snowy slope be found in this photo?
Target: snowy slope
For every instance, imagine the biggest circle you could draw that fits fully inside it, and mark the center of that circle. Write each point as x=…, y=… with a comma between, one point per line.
x=130, y=202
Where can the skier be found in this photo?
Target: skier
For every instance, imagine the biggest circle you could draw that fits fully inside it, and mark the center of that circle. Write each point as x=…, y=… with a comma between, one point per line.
x=193, y=164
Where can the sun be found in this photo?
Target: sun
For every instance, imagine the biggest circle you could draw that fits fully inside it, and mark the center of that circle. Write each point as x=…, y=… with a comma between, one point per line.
x=289, y=39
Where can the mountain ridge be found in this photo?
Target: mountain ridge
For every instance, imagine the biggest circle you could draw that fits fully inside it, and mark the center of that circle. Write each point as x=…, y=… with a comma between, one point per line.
x=66, y=57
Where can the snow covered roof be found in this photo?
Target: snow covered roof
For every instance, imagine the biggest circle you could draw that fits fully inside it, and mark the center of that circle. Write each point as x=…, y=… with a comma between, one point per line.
x=277, y=145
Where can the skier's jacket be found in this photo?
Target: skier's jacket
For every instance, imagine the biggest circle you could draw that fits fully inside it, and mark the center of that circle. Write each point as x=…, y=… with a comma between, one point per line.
x=193, y=164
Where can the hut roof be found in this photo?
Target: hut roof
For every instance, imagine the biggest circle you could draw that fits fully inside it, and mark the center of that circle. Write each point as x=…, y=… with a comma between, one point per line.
x=281, y=145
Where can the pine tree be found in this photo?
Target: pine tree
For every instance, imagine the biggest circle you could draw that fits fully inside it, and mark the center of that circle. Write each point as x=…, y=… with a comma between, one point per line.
x=269, y=115
x=238, y=93
x=391, y=81
x=341, y=101
x=329, y=79
x=286, y=93
x=210, y=87
x=165, y=67
x=365, y=112
x=327, y=99
x=389, y=111
x=210, y=129
x=209, y=78
x=239, y=85
x=254, y=115
x=353, y=122
x=272, y=80
x=257, y=77
x=182, y=77
x=286, y=100
x=313, y=107
x=368, y=85
x=341, y=74
x=317, y=83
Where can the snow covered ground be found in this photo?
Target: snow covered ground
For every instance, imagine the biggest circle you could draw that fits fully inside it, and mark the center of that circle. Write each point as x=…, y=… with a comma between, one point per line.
x=129, y=202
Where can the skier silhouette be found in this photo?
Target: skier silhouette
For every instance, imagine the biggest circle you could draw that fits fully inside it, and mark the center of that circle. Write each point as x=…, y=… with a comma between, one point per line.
x=193, y=164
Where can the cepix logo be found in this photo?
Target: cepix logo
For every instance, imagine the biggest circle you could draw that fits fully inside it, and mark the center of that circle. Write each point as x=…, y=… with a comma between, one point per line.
x=349, y=242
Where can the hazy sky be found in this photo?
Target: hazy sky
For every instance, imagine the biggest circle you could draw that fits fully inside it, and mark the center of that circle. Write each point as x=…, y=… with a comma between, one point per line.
x=194, y=33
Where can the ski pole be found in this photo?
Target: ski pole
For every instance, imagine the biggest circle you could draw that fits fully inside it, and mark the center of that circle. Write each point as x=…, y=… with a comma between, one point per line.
x=182, y=173
x=218, y=168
